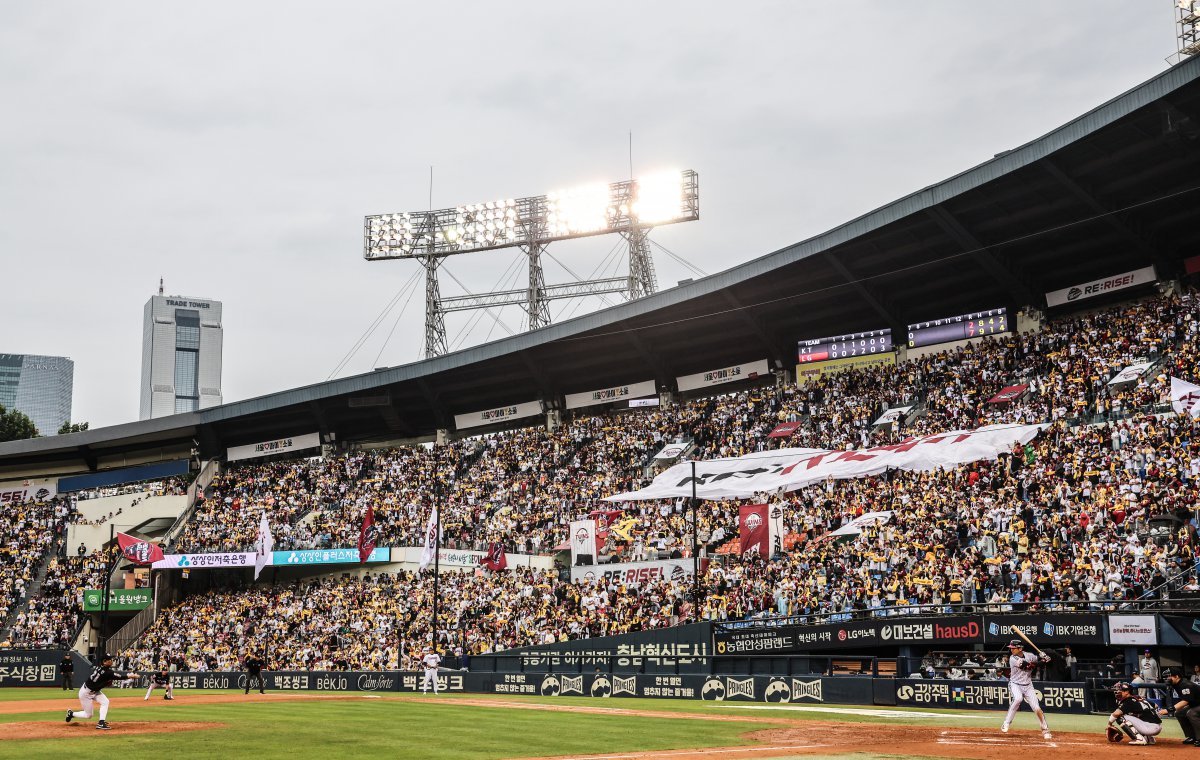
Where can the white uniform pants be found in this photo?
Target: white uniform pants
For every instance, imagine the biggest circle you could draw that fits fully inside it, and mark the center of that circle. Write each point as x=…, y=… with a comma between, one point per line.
x=1022, y=692
x=170, y=691
x=431, y=675
x=1142, y=727
x=87, y=700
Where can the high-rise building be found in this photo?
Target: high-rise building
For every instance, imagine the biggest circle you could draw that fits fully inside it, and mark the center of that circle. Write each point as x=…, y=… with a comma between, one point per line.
x=39, y=386
x=181, y=355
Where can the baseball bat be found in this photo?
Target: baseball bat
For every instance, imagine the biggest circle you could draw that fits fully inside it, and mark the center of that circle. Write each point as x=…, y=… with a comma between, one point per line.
x=1025, y=638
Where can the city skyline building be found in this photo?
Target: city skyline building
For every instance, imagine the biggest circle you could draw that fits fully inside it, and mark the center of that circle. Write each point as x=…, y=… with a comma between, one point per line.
x=38, y=386
x=182, y=338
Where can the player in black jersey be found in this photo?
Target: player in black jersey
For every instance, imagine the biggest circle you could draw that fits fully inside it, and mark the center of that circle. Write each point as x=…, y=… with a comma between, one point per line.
x=162, y=680
x=1135, y=716
x=92, y=692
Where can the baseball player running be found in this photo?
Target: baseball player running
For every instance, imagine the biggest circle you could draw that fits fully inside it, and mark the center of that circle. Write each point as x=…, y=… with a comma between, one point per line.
x=160, y=679
x=1135, y=716
x=430, y=661
x=1020, y=685
x=92, y=693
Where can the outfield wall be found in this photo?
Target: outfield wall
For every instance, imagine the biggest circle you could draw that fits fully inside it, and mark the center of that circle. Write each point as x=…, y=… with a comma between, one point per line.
x=837, y=690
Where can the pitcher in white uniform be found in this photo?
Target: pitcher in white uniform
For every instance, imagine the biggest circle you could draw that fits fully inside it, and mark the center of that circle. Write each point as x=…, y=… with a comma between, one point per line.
x=1021, y=665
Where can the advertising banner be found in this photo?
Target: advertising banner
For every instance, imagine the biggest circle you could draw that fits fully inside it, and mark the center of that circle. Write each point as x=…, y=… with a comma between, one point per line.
x=988, y=695
x=36, y=667
x=1047, y=629
x=746, y=371
x=1133, y=629
x=672, y=450
x=1084, y=290
x=205, y=561
x=119, y=600
x=328, y=556
x=965, y=629
x=499, y=414
x=33, y=489
x=637, y=574
x=789, y=469
x=806, y=372
x=608, y=395
x=277, y=446
x=583, y=541
x=681, y=648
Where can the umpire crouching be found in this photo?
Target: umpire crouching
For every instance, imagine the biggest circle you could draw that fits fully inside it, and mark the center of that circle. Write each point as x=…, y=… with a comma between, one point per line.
x=1184, y=701
x=66, y=671
x=254, y=668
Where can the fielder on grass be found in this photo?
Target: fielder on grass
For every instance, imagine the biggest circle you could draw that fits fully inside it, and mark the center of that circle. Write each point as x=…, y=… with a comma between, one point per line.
x=1020, y=685
x=163, y=680
x=431, y=660
x=92, y=692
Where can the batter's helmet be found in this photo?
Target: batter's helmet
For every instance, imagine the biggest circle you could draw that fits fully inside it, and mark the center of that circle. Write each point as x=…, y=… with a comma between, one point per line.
x=1016, y=643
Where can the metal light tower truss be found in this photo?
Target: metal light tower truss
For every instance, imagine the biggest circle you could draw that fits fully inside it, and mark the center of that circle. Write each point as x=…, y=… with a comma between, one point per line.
x=1189, y=27
x=630, y=208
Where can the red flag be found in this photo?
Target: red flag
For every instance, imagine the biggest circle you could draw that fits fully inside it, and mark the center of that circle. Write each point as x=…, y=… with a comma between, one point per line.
x=604, y=519
x=752, y=530
x=138, y=551
x=495, y=559
x=367, y=536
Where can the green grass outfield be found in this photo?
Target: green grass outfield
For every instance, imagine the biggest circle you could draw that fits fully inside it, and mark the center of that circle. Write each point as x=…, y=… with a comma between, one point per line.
x=381, y=726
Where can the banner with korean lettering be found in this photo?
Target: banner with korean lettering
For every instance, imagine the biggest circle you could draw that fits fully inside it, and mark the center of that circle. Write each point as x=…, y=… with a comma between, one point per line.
x=119, y=599
x=789, y=469
x=499, y=414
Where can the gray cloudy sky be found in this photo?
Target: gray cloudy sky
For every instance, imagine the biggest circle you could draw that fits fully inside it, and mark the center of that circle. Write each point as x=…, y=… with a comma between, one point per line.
x=233, y=148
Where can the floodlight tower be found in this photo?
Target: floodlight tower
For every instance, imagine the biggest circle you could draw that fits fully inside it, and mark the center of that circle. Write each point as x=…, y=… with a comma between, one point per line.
x=630, y=208
x=1188, y=20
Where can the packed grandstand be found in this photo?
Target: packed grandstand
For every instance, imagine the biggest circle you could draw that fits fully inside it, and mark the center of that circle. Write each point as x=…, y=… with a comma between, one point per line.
x=1096, y=511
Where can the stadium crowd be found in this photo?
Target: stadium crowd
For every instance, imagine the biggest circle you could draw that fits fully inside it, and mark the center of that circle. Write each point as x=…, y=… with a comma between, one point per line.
x=1094, y=513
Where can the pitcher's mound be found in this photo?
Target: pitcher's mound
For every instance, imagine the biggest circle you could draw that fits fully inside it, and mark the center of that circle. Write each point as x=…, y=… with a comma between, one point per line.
x=50, y=730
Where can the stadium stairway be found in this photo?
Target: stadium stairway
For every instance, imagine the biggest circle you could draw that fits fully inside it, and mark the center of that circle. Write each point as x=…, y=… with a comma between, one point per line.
x=32, y=591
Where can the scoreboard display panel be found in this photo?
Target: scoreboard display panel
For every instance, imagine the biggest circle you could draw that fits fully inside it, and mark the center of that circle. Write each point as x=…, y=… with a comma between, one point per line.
x=963, y=327
x=843, y=346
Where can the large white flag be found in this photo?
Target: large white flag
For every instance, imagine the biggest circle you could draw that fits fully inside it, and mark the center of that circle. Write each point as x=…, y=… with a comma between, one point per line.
x=789, y=469
x=1185, y=398
x=429, y=550
x=263, y=546
x=583, y=541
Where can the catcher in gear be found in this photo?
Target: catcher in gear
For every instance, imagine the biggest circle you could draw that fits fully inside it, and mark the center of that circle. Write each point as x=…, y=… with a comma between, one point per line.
x=1134, y=716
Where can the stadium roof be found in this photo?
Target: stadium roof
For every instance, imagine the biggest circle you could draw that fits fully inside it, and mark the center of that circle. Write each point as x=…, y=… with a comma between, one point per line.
x=1113, y=190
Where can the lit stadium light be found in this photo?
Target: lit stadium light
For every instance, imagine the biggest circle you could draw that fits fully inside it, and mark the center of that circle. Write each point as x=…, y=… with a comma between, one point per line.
x=596, y=209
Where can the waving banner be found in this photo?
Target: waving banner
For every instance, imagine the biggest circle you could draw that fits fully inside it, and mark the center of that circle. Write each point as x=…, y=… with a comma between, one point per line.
x=789, y=469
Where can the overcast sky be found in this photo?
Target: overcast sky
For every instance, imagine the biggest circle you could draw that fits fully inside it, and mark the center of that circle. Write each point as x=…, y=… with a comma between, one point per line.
x=233, y=148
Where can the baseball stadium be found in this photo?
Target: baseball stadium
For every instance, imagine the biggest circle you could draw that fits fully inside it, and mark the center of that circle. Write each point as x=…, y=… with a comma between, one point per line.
x=925, y=485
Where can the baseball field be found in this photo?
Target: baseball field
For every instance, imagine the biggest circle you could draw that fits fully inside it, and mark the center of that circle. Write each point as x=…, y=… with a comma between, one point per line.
x=355, y=725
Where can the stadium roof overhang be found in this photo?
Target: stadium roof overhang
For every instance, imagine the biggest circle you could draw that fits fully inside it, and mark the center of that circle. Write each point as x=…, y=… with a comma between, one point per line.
x=1113, y=190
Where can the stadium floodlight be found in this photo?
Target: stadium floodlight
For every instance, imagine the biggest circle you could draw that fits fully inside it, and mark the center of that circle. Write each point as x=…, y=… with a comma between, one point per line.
x=597, y=209
x=629, y=208
x=1188, y=22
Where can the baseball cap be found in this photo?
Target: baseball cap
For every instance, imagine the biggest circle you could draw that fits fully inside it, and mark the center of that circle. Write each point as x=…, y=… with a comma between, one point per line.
x=1168, y=672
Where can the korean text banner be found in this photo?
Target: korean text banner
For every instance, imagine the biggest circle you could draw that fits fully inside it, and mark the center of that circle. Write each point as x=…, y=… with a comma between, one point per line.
x=789, y=469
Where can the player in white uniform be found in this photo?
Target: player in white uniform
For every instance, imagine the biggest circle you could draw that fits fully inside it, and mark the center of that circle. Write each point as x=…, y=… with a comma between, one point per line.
x=1020, y=685
x=430, y=661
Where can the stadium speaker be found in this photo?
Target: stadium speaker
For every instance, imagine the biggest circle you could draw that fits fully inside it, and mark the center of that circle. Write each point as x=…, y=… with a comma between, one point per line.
x=583, y=559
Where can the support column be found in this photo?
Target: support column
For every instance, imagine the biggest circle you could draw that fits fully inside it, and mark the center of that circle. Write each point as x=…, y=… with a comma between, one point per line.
x=435, y=318
x=642, y=281
x=536, y=304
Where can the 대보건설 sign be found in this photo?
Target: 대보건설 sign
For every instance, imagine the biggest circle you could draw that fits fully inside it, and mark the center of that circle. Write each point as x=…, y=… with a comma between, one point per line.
x=277, y=446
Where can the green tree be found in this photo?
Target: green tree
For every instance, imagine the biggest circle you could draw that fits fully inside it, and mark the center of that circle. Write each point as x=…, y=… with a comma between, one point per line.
x=16, y=426
x=67, y=427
